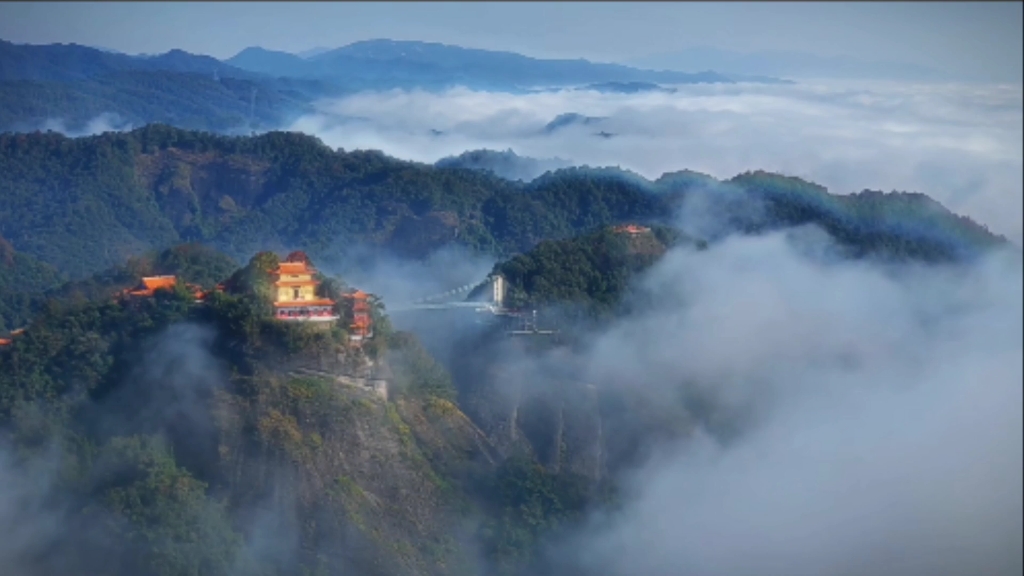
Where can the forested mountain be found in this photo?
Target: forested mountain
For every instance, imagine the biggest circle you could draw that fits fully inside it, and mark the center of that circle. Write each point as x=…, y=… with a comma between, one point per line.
x=185, y=438
x=507, y=164
x=71, y=62
x=22, y=278
x=428, y=64
x=173, y=439
x=67, y=86
x=592, y=271
x=82, y=205
x=86, y=204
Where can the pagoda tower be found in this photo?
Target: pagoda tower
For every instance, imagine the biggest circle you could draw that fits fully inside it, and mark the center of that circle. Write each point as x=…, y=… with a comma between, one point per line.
x=295, y=296
x=361, y=327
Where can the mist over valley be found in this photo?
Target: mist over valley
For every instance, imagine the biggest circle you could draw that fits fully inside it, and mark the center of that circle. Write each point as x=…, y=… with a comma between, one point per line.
x=464, y=306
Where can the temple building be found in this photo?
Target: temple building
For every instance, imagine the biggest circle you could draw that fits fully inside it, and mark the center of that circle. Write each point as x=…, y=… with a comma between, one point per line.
x=295, y=298
x=149, y=286
x=631, y=229
x=361, y=327
x=10, y=340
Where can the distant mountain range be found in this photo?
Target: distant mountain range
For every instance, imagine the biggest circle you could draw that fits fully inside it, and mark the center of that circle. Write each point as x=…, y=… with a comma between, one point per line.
x=739, y=65
x=428, y=64
x=69, y=85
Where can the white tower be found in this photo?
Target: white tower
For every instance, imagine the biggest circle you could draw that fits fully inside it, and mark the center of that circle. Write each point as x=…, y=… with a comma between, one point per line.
x=498, y=289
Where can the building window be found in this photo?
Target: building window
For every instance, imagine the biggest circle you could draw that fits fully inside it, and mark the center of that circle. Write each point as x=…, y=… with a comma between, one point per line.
x=295, y=294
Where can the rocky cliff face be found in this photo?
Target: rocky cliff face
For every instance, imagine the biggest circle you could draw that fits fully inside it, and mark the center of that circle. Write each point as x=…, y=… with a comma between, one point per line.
x=537, y=402
x=333, y=475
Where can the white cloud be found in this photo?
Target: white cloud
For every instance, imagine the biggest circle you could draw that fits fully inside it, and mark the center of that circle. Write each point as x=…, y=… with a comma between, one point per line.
x=883, y=412
x=105, y=122
x=960, y=144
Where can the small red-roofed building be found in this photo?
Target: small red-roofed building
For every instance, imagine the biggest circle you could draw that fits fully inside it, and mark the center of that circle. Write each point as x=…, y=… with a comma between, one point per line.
x=631, y=229
x=10, y=339
x=150, y=285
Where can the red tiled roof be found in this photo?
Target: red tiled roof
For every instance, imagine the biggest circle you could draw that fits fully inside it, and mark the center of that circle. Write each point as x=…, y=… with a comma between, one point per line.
x=158, y=282
x=150, y=284
x=294, y=268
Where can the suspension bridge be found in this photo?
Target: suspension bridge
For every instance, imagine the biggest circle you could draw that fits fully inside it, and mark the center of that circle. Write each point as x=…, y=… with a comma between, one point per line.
x=484, y=297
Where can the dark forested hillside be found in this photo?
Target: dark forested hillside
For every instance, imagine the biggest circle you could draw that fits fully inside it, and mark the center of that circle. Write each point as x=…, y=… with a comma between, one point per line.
x=69, y=86
x=592, y=271
x=28, y=286
x=22, y=279
x=164, y=436
x=86, y=204
x=134, y=98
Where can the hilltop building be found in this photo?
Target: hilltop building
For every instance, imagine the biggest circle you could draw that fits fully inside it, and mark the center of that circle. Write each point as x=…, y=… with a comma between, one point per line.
x=10, y=340
x=295, y=297
x=631, y=229
x=149, y=286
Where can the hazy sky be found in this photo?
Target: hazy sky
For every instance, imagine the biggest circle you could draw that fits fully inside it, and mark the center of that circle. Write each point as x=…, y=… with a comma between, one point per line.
x=955, y=37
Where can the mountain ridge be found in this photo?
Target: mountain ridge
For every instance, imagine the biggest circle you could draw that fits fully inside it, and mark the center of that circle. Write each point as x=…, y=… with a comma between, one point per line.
x=122, y=194
x=455, y=62
x=74, y=84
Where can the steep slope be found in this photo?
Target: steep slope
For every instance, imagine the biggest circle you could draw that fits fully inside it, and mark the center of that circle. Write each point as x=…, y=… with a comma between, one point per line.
x=216, y=454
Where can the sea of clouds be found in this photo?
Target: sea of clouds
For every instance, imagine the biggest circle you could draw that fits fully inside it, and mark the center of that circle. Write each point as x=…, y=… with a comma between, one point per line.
x=960, y=144
x=885, y=430
x=882, y=432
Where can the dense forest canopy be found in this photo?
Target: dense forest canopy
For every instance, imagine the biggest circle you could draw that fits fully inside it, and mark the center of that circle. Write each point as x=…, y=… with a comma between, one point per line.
x=194, y=431
x=84, y=204
x=147, y=407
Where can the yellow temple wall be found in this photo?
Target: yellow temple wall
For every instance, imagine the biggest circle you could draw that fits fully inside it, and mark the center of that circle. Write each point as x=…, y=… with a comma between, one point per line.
x=287, y=293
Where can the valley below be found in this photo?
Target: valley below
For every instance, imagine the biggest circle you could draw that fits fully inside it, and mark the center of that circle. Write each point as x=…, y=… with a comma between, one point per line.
x=408, y=308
